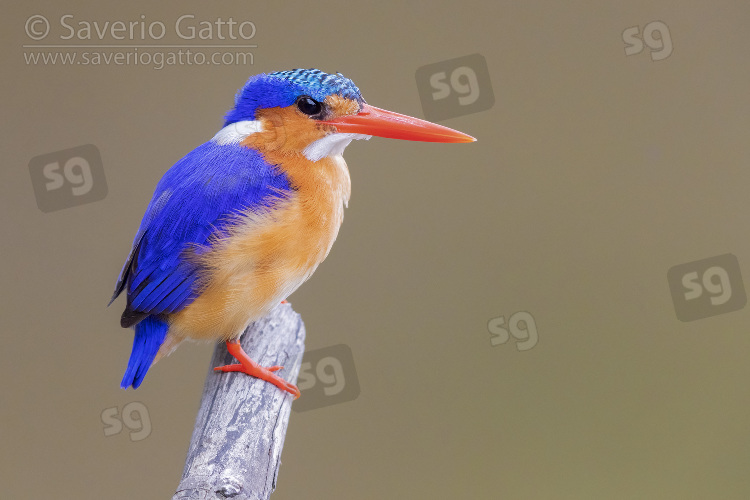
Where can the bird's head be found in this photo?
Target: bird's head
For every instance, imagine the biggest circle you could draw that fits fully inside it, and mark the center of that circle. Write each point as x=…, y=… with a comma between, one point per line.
x=317, y=114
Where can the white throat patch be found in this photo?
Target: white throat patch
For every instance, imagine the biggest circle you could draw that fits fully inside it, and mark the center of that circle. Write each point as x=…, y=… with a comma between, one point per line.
x=235, y=132
x=331, y=145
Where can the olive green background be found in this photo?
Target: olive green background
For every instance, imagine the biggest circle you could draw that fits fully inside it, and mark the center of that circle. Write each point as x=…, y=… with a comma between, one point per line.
x=594, y=173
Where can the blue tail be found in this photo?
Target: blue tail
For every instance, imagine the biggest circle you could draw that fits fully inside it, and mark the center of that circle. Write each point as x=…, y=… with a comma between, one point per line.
x=149, y=336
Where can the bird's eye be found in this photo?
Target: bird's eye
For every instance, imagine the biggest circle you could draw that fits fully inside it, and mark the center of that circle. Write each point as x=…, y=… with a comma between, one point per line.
x=308, y=105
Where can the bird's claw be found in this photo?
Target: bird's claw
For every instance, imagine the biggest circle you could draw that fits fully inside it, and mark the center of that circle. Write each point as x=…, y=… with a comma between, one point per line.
x=263, y=373
x=288, y=387
x=269, y=376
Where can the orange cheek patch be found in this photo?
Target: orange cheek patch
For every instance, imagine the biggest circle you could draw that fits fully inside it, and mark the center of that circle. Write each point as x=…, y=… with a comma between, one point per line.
x=285, y=131
x=341, y=106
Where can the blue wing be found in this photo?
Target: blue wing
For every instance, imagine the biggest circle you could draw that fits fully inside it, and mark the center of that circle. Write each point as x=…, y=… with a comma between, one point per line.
x=191, y=202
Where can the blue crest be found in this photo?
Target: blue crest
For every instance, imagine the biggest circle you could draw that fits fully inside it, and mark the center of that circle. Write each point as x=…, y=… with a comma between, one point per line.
x=282, y=88
x=320, y=84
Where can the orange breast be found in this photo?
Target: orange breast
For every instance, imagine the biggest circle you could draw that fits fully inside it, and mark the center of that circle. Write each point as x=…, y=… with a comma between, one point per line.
x=267, y=256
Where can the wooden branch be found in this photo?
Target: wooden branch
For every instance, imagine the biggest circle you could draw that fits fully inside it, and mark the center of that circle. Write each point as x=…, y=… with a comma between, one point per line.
x=235, y=451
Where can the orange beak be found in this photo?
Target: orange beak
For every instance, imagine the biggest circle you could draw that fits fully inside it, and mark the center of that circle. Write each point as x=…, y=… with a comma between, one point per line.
x=382, y=123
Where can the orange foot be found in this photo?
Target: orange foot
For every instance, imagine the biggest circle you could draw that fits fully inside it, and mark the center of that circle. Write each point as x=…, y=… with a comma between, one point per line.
x=252, y=368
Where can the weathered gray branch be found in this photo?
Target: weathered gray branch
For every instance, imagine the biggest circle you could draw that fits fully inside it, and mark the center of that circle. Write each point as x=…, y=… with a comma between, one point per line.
x=235, y=451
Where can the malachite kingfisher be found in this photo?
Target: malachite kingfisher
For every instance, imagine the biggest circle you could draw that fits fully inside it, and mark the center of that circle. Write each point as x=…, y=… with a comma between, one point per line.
x=243, y=220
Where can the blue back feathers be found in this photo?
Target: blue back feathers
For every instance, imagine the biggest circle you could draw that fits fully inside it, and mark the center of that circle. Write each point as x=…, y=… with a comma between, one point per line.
x=281, y=89
x=194, y=199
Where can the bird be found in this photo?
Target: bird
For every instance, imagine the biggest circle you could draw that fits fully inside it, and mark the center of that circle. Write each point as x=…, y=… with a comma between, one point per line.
x=240, y=222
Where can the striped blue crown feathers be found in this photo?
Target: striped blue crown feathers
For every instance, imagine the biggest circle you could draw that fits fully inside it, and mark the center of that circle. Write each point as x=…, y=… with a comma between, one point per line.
x=282, y=88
